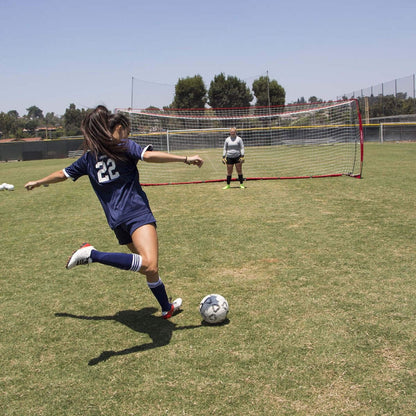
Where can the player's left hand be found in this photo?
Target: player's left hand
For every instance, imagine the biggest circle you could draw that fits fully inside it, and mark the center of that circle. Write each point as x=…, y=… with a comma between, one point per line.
x=241, y=160
x=195, y=160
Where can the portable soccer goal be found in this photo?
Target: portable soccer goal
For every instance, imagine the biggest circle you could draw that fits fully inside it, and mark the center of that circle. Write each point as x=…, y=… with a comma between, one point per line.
x=281, y=142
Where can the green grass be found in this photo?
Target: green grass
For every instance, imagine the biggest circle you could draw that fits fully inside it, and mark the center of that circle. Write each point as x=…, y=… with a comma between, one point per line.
x=319, y=275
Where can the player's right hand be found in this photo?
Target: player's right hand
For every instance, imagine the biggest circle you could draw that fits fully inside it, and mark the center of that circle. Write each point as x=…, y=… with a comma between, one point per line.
x=30, y=185
x=224, y=160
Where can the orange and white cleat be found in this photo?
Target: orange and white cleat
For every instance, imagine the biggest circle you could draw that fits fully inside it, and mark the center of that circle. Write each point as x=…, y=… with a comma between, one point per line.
x=175, y=306
x=80, y=256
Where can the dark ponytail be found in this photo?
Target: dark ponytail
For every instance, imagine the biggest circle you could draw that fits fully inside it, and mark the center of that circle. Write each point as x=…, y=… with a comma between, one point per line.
x=98, y=126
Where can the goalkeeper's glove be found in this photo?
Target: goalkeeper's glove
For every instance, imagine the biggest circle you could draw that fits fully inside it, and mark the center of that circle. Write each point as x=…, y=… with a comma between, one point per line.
x=241, y=160
x=224, y=160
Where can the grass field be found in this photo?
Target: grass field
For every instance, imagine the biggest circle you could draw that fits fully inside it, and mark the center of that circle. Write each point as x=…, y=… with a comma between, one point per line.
x=319, y=275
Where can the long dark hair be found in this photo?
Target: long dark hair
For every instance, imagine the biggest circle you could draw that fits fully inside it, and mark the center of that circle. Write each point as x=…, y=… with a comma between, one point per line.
x=98, y=127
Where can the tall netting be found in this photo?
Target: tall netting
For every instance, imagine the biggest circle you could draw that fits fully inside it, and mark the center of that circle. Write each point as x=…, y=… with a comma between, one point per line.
x=294, y=141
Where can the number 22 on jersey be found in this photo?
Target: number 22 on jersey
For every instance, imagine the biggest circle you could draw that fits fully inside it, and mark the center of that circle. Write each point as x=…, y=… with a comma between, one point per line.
x=106, y=170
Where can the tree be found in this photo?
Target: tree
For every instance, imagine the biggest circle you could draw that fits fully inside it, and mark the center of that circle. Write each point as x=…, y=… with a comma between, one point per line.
x=268, y=92
x=72, y=120
x=13, y=113
x=30, y=126
x=314, y=99
x=228, y=92
x=11, y=125
x=6, y=124
x=190, y=92
x=51, y=119
x=408, y=106
x=34, y=112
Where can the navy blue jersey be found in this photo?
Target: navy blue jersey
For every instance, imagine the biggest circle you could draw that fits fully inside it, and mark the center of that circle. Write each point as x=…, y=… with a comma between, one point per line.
x=116, y=184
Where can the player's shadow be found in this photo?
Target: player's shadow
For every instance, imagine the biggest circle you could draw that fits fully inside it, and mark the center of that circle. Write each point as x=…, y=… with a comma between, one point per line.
x=159, y=330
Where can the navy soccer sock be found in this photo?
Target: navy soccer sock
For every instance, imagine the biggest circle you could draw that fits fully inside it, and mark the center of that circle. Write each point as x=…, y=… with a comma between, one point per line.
x=159, y=291
x=124, y=261
x=228, y=180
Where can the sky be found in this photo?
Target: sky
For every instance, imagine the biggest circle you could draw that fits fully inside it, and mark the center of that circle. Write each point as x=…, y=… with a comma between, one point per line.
x=56, y=53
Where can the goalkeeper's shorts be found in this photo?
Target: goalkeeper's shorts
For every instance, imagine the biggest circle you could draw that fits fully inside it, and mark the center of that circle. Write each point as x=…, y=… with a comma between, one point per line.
x=233, y=160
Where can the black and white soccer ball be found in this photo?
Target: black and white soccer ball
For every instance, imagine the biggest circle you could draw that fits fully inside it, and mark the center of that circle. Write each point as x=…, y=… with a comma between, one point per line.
x=214, y=308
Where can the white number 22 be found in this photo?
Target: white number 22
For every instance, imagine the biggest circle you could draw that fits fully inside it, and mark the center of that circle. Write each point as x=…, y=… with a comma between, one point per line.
x=106, y=170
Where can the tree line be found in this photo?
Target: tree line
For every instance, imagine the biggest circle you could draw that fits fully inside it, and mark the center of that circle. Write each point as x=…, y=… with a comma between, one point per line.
x=191, y=92
x=35, y=124
x=224, y=92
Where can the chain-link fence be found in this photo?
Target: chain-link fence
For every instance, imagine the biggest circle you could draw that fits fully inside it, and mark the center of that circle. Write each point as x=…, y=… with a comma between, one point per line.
x=383, y=102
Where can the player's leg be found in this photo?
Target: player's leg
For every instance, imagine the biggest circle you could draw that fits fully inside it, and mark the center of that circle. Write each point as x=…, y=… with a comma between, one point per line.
x=88, y=254
x=229, y=175
x=145, y=243
x=125, y=261
x=239, y=168
x=142, y=242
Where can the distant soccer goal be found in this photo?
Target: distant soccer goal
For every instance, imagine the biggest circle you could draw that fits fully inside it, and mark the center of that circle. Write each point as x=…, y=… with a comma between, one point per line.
x=281, y=142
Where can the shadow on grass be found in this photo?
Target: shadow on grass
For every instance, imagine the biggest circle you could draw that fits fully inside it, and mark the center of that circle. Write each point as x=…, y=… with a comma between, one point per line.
x=211, y=324
x=159, y=330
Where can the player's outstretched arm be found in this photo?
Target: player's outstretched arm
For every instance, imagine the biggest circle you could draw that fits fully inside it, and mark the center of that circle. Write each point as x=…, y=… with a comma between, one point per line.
x=58, y=176
x=164, y=157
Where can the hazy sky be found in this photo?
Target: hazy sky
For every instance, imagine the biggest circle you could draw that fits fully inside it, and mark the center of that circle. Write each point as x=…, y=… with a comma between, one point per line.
x=54, y=53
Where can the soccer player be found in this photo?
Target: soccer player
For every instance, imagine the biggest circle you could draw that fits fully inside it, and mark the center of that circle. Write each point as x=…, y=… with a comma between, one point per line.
x=233, y=154
x=110, y=161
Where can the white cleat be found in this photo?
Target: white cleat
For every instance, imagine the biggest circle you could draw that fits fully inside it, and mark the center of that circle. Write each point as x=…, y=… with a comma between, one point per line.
x=80, y=256
x=177, y=303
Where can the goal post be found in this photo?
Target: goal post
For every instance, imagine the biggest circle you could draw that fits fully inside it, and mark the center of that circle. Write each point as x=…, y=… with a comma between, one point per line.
x=281, y=142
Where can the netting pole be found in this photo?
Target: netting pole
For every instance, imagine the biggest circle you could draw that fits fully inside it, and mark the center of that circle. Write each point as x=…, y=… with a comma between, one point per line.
x=131, y=97
x=268, y=89
x=268, y=98
x=414, y=91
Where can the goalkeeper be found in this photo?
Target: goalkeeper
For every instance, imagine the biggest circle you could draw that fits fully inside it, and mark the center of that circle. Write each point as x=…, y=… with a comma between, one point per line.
x=233, y=154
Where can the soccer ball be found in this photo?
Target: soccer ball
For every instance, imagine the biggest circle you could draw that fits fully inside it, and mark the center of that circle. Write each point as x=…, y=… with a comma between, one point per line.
x=213, y=308
x=7, y=187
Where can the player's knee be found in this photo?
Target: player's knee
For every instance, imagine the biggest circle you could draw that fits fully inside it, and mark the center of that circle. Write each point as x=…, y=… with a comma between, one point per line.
x=149, y=267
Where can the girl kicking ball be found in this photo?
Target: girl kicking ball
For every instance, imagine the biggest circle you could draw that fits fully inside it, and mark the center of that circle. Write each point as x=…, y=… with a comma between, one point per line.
x=110, y=161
